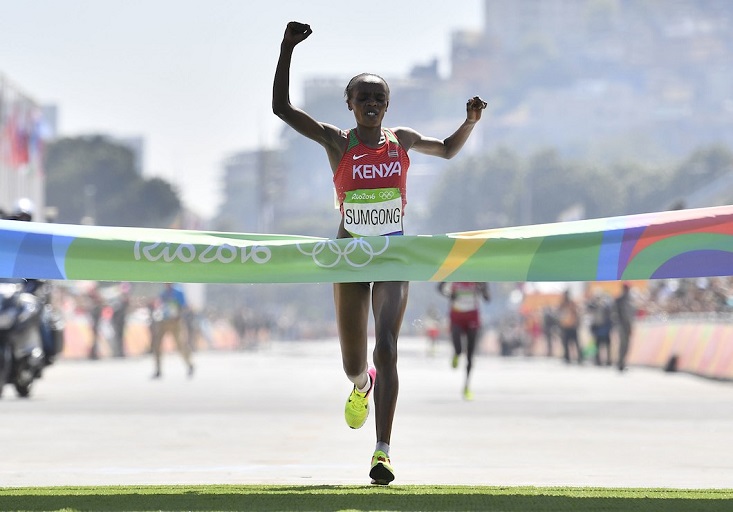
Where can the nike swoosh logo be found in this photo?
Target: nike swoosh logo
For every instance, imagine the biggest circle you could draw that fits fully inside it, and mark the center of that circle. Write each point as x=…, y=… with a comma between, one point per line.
x=357, y=157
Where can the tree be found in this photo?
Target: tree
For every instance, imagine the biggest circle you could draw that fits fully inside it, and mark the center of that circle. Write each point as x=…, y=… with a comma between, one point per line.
x=501, y=189
x=701, y=168
x=94, y=177
x=477, y=192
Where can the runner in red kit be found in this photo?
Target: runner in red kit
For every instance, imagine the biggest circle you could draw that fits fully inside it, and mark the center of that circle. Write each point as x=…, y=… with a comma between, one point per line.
x=369, y=165
x=465, y=321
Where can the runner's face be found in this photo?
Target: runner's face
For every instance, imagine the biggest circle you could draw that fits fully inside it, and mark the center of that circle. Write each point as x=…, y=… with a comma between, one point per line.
x=369, y=101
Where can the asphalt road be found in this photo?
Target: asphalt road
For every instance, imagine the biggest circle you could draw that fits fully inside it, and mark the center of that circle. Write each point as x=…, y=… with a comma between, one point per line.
x=275, y=416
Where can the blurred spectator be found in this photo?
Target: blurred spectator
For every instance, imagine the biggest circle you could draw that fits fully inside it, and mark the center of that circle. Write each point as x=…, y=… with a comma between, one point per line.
x=600, y=310
x=549, y=327
x=152, y=306
x=701, y=295
x=120, y=310
x=513, y=335
x=239, y=323
x=625, y=312
x=568, y=317
x=169, y=319
x=95, y=307
x=432, y=325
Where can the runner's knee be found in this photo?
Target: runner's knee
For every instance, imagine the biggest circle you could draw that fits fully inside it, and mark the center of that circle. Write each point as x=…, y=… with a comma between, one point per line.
x=353, y=370
x=385, y=351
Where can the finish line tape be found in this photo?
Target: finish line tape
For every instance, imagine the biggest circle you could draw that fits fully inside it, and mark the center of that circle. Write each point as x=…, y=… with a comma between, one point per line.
x=662, y=245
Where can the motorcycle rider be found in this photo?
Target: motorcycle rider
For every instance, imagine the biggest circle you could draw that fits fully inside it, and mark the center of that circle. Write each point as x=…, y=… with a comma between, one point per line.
x=23, y=211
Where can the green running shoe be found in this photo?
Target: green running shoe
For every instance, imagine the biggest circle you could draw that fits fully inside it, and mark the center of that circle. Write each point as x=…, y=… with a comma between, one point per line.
x=454, y=361
x=356, y=411
x=382, y=472
x=467, y=395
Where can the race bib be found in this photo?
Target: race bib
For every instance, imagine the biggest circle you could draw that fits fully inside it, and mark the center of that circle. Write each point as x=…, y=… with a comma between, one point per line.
x=373, y=212
x=465, y=301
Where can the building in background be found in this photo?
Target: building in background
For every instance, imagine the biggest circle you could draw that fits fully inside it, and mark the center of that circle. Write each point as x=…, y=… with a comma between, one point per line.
x=252, y=186
x=650, y=79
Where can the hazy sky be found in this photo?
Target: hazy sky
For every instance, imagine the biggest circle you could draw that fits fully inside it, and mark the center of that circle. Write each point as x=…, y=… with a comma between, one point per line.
x=194, y=77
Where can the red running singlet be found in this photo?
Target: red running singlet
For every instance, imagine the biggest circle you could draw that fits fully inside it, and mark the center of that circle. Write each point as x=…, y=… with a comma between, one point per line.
x=371, y=186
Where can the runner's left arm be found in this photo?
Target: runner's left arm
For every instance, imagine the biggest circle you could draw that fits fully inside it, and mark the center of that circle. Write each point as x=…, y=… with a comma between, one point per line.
x=450, y=146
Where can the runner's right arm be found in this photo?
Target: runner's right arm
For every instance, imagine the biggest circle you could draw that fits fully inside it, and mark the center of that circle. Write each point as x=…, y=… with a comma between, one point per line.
x=300, y=121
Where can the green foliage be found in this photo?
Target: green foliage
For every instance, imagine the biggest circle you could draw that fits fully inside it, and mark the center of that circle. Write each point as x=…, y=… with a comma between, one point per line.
x=361, y=498
x=93, y=177
x=467, y=197
x=503, y=189
x=701, y=167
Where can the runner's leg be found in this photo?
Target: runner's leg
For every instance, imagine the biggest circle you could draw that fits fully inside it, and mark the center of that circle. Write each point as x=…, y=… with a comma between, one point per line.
x=389, y=300
x=471, y=338
x=456, y=332
x=352, y=316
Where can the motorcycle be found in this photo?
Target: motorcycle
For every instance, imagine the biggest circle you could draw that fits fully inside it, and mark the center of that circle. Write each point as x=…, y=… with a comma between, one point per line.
x=21, y=347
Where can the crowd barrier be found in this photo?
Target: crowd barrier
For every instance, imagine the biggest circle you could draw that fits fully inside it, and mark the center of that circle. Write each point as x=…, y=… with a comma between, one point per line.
x=693, y=345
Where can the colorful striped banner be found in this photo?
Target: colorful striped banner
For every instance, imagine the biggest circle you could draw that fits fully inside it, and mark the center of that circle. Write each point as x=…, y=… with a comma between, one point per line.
x=701, y=347
x=676, y=244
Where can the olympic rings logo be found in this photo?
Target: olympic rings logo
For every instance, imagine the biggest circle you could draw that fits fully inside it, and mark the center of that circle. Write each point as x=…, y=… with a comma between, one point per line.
x=387, y=194
x=357, y=252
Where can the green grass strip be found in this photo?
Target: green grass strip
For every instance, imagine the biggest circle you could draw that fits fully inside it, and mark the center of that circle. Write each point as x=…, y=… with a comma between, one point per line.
x=325, y=498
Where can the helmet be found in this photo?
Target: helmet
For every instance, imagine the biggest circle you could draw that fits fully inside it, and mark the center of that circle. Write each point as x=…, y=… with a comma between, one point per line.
x=23, y=209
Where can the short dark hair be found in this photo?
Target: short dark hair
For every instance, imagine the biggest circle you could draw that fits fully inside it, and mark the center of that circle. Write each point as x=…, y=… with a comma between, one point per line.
x=352, y=83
